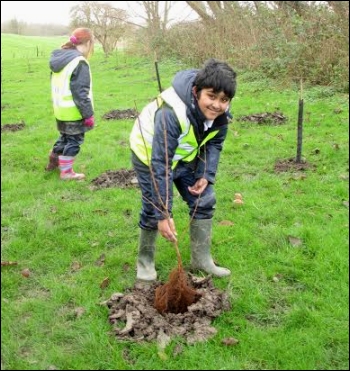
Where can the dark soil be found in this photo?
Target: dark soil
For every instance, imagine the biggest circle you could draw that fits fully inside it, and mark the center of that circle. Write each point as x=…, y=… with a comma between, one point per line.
x=122, y=178
x=265, y=118
x=291, y=165
x=120, y=114
x=13, y=127
x=134, y=317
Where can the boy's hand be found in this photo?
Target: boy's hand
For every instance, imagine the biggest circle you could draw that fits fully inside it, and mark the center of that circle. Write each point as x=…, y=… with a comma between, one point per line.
x=167, y=229
x=198, y=187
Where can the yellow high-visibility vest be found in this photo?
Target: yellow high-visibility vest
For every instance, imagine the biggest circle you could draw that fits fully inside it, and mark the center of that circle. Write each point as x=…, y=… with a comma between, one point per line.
x=63, y=105
x=142, y=133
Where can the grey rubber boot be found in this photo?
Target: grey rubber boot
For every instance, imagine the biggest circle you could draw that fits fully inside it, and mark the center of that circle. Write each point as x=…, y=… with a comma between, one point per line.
x=145, y=262
x=200, y=233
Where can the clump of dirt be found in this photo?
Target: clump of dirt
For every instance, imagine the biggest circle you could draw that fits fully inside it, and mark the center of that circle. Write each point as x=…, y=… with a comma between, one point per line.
x=120, y=114
x=291, y=164
x=13, y=127
x=265, y=118
x=122, y=178
x=134, y=317
x=177, y=294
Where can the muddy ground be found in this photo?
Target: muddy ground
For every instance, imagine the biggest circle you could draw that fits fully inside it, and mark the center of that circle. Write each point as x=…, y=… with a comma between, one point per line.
x=114, y=178
x=133, y=316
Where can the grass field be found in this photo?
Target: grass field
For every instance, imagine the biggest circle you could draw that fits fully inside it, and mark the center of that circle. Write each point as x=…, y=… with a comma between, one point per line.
x=287, y=246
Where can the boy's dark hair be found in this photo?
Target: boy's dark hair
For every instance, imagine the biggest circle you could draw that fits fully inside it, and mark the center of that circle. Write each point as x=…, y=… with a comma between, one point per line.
x=218, y=76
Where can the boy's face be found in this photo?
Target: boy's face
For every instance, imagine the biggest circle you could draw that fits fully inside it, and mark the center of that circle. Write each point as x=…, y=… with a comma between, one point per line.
x=212, y=104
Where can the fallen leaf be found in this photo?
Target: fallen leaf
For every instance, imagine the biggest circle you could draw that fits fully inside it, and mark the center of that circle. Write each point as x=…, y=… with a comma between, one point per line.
x=25, y=272
x=101, y=260
x=75, y=266
x=8, y=263
x=230, y=341
x=277, y=277
x=238, y=203
x=226, y=222
x=126, y=267
x=104, y=283
x=79, y=311
x=295, y=241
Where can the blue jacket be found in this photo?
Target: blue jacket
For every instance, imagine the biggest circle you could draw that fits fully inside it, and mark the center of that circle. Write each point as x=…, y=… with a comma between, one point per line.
x=183, y=84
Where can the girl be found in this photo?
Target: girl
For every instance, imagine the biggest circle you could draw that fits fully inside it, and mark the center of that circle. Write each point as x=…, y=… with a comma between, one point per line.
x=71, y=88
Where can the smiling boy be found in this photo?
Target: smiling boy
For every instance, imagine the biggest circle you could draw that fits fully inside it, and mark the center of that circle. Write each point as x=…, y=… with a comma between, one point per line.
x=177, y=139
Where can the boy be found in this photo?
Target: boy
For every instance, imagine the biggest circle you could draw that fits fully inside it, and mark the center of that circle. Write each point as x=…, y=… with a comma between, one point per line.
x=177, y=139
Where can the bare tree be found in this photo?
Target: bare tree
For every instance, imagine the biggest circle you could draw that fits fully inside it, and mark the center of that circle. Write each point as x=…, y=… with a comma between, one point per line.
x=107, y=23
x=156, y=20
x=211, y=11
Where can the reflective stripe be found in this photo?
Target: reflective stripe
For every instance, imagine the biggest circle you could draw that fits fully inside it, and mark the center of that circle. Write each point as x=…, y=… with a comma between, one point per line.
x=63, y=104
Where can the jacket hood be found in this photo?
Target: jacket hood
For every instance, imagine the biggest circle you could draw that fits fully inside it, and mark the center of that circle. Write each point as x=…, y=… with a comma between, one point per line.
x=183, y=83
x=61, y=57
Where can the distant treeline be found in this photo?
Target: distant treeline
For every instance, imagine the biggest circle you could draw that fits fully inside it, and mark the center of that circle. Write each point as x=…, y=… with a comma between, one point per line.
x=32, y=29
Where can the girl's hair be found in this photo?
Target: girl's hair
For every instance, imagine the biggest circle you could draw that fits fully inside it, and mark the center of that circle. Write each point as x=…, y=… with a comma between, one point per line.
x=218, y=76
x=79, y=36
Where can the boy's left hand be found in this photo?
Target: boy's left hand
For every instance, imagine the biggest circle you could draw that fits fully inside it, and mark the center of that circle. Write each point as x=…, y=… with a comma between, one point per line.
x=198, y=187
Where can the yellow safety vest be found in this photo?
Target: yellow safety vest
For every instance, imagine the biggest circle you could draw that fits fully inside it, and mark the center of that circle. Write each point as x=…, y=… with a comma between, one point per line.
x=63, y=105
x=142, y=133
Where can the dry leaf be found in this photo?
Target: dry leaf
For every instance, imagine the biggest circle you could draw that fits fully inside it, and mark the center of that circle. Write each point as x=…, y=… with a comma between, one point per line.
x=25, y=272
x=230, y=341
x=104, y=283
x=295, y=241
x=238, y=203
x=75, y=266
x=101, y=260
x=126, y=267
x=226, y=222
x=100, y=211
x=79, y=311
x=8, y=263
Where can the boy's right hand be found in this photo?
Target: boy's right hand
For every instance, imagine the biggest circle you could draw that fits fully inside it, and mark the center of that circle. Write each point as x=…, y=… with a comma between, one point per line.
x=166, y=228
x=199, y=187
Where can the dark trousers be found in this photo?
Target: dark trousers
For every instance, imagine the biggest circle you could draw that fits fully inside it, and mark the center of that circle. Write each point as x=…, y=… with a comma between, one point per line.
x=68, y=144
x=202, y=207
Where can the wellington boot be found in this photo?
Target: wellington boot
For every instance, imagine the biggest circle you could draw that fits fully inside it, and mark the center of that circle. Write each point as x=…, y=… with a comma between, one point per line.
x=145, y=262
x=200, y=232
x=71, y=175
x=66, y=167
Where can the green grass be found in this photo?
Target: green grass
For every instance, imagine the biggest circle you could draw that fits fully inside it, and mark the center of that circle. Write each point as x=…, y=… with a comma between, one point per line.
x=290, y=303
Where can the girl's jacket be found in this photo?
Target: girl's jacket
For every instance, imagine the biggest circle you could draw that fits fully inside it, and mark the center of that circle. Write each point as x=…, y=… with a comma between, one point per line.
x=80, y=79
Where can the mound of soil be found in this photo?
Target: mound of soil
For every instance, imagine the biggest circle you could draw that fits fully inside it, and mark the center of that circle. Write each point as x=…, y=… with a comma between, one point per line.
x=120, y=114
x=134, y=317
x=290, y=164
x=115, y=178
x=13, y=127
x=265, y=118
